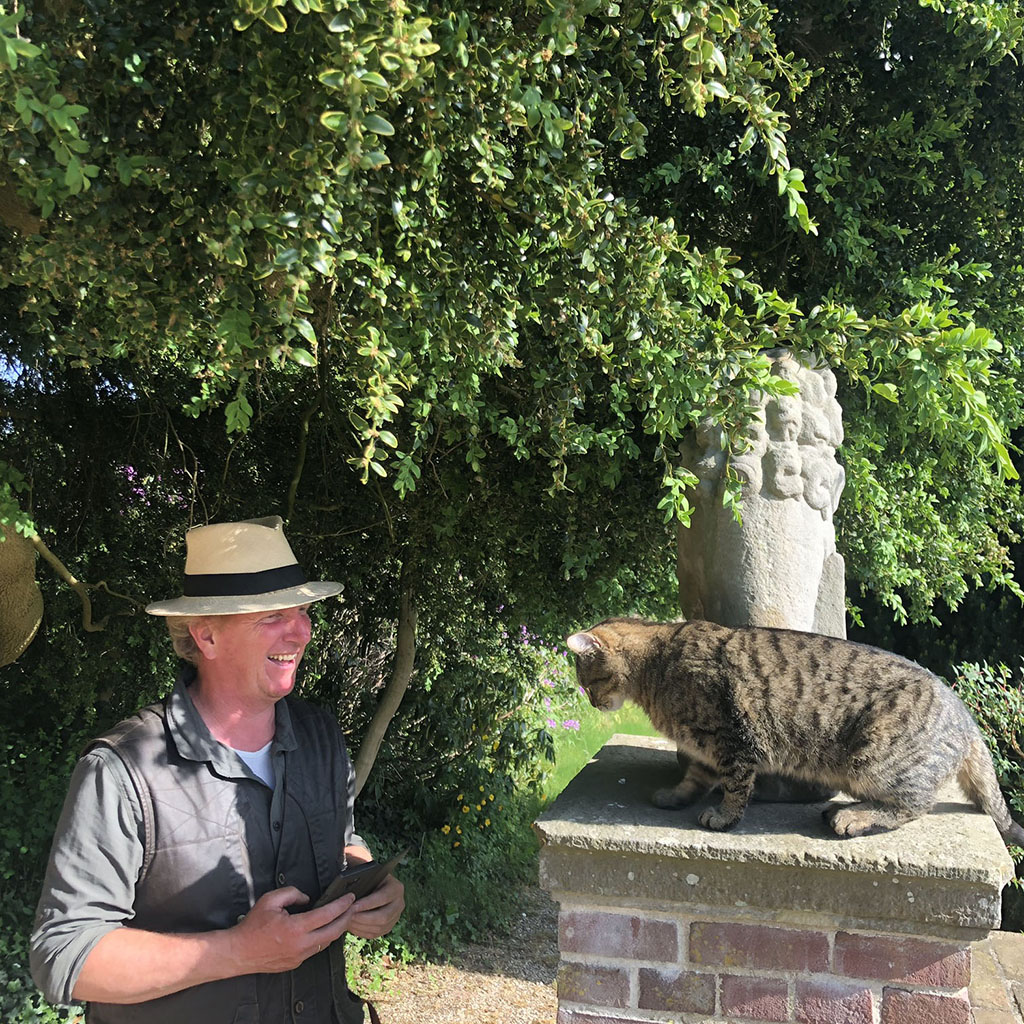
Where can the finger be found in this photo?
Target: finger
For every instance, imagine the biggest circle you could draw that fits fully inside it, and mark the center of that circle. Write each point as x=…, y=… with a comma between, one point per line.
x=288, y=896
x=387, y=892
x=333, y=930
x=320, y=917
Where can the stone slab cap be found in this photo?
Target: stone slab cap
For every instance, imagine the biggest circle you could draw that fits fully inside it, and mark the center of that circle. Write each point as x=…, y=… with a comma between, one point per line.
x=603, y=839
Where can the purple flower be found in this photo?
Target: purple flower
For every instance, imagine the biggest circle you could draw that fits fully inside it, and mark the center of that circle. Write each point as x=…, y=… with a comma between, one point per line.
x=551, y=723
x=570, y=723
x=547, y=702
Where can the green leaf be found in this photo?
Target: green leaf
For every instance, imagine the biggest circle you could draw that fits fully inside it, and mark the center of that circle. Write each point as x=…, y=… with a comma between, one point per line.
x=302, y=357
x=274, y=19
x=334, y=78
x=334, y=120
x=374, y=123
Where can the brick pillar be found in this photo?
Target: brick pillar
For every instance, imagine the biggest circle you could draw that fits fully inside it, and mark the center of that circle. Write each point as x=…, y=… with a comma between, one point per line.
x=777, y=921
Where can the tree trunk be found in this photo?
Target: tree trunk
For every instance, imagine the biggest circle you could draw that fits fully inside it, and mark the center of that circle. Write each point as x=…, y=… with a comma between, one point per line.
x=401, y=676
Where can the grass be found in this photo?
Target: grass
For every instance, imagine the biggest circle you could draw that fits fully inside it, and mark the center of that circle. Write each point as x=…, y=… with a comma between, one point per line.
x=574, y=748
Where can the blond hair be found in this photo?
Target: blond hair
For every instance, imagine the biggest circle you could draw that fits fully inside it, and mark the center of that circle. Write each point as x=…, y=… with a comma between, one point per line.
x=180, y=628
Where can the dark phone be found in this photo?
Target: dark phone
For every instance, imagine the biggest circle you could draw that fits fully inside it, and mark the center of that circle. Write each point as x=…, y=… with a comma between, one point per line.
x=361, y=879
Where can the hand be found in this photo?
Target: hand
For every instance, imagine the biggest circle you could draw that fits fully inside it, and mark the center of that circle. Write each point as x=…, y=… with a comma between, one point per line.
x=269, y=940
x=375, y=915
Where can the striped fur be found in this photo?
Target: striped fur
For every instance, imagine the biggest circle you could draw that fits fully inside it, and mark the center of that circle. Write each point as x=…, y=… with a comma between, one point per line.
x=739, y=702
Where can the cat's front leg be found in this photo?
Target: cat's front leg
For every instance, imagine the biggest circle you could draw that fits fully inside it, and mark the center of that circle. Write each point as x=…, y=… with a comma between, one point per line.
x=697, y=780
x=737, y=786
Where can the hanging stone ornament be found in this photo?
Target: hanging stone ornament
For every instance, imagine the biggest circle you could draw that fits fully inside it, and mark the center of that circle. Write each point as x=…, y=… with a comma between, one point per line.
x=780, y=566
x=21, y=601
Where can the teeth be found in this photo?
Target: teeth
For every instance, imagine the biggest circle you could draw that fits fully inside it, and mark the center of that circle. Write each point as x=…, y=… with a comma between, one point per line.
x=281, y=657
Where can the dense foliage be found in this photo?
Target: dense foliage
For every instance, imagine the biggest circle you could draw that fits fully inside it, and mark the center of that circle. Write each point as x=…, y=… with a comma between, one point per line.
x=445, y=285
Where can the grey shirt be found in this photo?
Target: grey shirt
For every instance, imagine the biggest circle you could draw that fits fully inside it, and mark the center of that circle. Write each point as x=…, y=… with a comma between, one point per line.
x=99, y=848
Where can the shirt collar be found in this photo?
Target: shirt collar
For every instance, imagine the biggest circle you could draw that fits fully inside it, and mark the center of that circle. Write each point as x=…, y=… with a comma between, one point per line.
x=194, y=740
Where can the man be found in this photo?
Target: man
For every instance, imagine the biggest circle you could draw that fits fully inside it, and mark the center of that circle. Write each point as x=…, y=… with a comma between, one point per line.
x=197, y=834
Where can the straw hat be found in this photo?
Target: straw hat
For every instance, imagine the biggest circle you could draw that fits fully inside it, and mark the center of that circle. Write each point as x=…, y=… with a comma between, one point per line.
x=232, y=568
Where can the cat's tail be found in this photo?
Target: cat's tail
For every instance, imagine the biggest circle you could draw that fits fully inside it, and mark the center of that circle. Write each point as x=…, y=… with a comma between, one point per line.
x=977, y=776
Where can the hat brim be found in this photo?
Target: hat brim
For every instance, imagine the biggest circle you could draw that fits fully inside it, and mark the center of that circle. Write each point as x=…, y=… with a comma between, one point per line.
x=288, y=598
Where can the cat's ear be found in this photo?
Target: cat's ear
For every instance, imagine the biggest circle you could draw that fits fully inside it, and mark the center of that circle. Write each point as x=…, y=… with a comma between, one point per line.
x=584, y=643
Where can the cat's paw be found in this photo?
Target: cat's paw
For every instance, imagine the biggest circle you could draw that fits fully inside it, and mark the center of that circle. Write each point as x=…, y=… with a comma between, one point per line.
x=670, y=797
x=852, y=821
x=711, y=818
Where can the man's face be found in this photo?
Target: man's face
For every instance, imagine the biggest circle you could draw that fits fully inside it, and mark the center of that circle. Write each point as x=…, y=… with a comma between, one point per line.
x=259, y=651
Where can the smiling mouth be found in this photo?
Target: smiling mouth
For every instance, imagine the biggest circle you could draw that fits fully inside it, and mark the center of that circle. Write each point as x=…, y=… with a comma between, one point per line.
x=283, y=659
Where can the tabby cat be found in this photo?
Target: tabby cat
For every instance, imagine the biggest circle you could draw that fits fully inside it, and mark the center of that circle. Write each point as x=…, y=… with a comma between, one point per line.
x=742, y=701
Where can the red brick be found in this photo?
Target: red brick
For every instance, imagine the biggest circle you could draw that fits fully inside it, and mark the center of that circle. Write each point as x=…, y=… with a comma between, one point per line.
x=676, y=991
x=755, y=998
x=624, y=935
x=594, y=986
x=913, y=961
x=901, y=1007
x=835, y=1002
x=762, y=946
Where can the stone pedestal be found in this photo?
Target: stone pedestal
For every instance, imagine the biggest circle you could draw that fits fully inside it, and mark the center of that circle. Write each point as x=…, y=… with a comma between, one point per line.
x=779, y=920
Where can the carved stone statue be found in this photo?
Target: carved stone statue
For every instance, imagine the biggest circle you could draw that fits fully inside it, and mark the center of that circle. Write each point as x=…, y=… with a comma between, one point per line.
x=21, y=602
x=780, y=567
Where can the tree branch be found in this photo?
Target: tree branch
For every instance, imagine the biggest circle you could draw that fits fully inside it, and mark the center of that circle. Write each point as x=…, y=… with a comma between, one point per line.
x=401, y=676
x=300, y=460
x=80, y=588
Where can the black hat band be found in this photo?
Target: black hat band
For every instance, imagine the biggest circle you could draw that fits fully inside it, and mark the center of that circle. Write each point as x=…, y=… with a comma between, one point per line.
x=238, y=584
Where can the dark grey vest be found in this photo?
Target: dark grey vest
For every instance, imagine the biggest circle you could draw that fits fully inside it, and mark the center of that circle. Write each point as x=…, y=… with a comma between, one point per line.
x=199, y=824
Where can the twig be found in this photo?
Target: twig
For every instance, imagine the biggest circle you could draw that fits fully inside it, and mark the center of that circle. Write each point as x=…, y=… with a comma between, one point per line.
x=80, y=588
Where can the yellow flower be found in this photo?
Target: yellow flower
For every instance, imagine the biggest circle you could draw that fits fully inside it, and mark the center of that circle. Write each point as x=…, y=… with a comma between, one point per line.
x=481, y=789
x=478, y=807
x=465, y=808
x=459, y=798
x=446, y=829
x=458, y=829
x=487, y=821
x=491, y=797
x=456, y=843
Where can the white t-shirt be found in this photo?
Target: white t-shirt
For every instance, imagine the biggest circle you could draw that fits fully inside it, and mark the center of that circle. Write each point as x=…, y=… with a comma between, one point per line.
x=259, y=763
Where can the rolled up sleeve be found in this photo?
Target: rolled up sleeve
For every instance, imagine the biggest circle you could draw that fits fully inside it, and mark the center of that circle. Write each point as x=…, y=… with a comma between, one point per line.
x=94, y=866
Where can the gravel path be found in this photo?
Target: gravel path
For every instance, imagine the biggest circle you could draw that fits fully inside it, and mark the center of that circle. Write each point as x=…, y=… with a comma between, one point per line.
x=509, y=981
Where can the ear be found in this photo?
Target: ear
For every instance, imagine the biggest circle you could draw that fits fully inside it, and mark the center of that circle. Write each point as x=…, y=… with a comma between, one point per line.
x=203, y=633
x=584, y=644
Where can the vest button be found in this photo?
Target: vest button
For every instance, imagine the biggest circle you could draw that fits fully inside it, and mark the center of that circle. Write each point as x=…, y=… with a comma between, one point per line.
x=277, y=826
x=240, y=918
x=299, y=1007
x=280, y=879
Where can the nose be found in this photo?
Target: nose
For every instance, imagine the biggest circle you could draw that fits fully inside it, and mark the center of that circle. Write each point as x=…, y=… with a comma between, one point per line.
x=299, y=628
